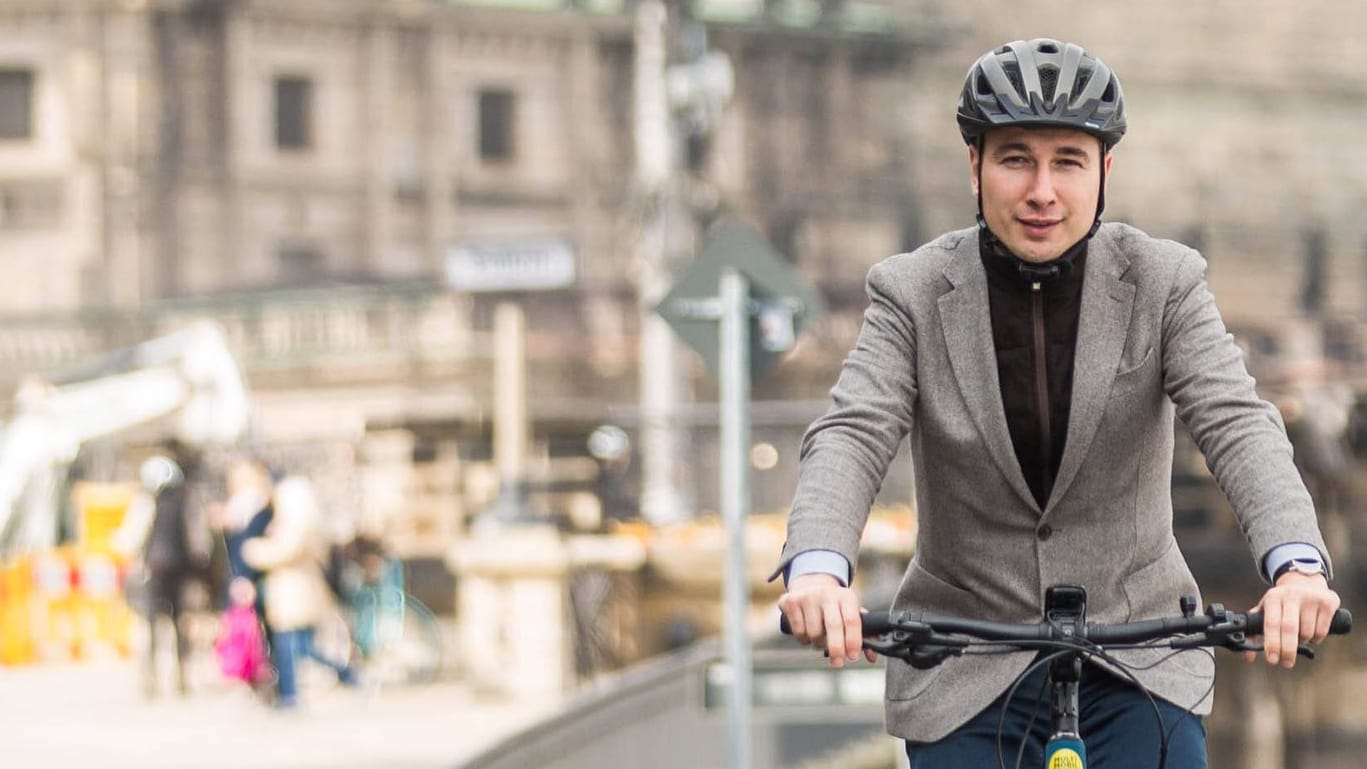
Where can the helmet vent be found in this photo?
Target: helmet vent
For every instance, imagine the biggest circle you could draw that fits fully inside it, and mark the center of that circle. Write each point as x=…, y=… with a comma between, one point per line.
x=1048, y=82
x=1047, y=48
x=1079, y=82
x=1013, y=73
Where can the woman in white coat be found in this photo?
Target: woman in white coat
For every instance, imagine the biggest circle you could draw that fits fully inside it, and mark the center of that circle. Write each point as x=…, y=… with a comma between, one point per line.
x=292, y=554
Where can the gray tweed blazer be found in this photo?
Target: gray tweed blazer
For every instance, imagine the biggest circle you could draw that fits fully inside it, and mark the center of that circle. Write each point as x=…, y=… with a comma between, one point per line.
x=1150, y=343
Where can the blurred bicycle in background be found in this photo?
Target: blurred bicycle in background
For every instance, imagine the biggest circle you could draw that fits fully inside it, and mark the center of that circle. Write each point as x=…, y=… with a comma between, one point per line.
x=395, y=637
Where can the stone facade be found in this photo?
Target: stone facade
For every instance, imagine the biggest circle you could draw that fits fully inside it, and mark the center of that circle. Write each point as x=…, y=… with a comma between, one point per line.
x=300, y=170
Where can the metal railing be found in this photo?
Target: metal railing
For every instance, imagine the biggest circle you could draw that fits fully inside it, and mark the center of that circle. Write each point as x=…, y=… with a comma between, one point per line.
x=668, y=713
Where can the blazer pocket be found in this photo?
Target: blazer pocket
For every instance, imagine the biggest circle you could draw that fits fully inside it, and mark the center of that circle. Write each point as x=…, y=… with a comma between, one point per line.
x=1144, y=585
x=1130, y=377
x=923, y=591
x=1153, y=590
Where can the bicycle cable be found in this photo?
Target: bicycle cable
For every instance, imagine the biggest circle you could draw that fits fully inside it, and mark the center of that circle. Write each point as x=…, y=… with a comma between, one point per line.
x=1187, y=712
x=1088, y=650
x=1011, y=695
x=1122, y=667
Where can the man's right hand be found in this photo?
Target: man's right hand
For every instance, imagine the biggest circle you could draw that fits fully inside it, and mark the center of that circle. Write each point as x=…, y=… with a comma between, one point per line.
x=825, y=614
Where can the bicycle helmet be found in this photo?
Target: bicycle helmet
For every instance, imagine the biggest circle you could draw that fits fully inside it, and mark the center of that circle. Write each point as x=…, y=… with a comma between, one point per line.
x=1042, y=82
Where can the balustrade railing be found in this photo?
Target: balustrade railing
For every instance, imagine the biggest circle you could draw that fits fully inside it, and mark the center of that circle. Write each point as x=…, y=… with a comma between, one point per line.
x=351, y=328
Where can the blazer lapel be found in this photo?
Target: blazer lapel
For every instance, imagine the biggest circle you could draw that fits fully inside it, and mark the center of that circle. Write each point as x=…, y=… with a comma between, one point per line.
x=967, y=323
x=1103, y=322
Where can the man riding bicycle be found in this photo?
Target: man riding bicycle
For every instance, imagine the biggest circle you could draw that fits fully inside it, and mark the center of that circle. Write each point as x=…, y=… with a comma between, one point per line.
x=1037, y=362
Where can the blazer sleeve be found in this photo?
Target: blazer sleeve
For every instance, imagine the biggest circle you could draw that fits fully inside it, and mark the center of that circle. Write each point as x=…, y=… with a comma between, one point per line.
x=845, y=453
x=1240, y=434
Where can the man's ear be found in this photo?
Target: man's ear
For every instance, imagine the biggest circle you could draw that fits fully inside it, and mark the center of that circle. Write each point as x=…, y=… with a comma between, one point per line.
x=973, y=159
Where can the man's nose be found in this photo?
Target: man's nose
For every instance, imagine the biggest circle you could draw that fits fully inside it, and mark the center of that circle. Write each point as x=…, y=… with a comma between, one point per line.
x=1041, y=192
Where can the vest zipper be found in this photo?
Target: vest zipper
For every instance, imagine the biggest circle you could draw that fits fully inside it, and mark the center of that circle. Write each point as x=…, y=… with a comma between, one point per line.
x=1041, y=385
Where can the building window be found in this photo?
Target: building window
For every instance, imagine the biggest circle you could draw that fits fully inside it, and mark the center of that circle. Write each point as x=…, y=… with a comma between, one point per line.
x=300, y=266
x=496, y=109
x=293, y=113
x=16, y=104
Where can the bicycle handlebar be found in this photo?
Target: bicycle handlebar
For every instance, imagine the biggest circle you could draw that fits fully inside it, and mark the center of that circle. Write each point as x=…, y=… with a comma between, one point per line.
x=878, y=623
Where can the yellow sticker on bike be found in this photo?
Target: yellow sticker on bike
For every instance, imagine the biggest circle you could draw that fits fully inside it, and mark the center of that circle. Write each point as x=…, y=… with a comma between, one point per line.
x=1065, y=758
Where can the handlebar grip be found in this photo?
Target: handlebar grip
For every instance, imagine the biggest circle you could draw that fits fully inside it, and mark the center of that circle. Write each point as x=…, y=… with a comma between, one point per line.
x=877, y=623
x=1342, y=623
x=874, y=623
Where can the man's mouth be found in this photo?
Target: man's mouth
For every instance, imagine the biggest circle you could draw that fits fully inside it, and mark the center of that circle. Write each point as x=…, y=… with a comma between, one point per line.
x=1038, y=227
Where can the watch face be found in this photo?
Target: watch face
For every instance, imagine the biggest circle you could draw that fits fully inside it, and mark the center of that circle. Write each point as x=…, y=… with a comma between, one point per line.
x=1304, y=568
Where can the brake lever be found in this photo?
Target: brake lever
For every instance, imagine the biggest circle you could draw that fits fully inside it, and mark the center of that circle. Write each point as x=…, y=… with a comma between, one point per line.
x=1239, y=642
x=1233, y=641
x=923, y=655
x=1302, y=650
x=887, y=648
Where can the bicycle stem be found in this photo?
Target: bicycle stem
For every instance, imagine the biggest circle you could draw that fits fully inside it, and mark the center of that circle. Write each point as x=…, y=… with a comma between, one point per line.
x=1066, y=673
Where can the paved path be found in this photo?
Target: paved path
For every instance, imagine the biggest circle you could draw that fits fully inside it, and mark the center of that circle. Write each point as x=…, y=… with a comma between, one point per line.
x=92, y=716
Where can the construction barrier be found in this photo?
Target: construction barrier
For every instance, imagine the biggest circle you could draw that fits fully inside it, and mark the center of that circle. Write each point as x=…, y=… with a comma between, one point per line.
x=16, y=632
x=63, y=604
x=68, y=602
x=53, y=603
x=103, y=619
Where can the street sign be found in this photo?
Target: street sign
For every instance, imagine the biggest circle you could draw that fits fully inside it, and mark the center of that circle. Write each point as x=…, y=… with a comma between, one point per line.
x=511, y=265
x=781, y=302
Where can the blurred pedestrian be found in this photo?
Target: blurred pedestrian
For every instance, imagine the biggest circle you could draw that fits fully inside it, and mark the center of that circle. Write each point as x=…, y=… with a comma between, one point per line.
x=292, y=554
x=241, y=644
x=245, y=514
x=157, y=531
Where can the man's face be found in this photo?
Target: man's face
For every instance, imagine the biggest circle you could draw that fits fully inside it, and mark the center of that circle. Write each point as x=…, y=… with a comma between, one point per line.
x=1040, y=187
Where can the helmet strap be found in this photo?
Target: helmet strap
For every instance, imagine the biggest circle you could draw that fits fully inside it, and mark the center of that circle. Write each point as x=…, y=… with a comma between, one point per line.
x=1100, y=195
x=982, y=221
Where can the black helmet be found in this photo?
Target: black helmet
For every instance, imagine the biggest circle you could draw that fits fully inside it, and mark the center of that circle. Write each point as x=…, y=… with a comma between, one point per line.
x=1042, y=82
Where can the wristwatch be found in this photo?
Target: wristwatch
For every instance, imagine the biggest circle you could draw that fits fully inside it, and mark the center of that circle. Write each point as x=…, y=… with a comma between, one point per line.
x=1300, y=566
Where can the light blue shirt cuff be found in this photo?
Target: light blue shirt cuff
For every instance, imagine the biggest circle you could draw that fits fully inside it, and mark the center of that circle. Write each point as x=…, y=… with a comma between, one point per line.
x=1281, y=555
x=819, y=562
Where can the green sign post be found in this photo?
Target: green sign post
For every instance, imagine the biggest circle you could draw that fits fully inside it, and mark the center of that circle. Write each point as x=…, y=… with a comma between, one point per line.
x=740, y=305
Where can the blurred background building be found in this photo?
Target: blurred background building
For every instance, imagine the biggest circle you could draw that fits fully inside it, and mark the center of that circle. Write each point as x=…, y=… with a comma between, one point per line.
x=318, y=176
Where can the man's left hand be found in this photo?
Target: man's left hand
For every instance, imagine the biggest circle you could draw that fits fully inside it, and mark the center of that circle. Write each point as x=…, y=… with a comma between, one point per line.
x=1298, y=609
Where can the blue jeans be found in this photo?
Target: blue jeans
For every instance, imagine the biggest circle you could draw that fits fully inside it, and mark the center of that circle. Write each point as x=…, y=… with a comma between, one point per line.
x=1117, y=723
x=287, y=649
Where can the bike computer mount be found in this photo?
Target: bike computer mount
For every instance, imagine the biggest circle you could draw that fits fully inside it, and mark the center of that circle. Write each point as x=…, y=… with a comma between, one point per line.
x=1065, y=607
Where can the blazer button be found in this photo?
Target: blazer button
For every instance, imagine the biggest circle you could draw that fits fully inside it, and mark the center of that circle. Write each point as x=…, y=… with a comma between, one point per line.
x=1045, y=532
